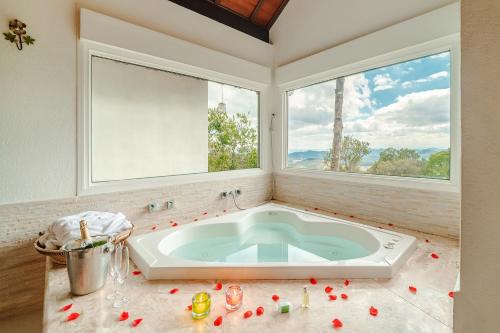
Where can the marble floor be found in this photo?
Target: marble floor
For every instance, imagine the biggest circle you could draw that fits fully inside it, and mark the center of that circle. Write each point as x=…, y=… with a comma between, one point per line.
x=399, y=310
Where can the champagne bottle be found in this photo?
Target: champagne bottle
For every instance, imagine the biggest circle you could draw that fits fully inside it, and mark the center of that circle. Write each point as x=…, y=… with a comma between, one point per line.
x=86, y=240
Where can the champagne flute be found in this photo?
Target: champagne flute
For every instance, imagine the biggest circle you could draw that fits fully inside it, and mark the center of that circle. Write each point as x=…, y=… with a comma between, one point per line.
x=113, y=273
x=122, y=269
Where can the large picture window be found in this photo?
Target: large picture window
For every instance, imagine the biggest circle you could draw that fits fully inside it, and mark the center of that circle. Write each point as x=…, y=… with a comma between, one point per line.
x=393, y=121
x=147, y=122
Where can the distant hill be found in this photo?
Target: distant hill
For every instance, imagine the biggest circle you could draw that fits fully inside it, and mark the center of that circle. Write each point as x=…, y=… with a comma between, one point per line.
x=314, y=158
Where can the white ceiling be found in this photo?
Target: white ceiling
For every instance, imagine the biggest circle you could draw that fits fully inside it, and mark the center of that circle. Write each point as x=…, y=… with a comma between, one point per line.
x=306, y=27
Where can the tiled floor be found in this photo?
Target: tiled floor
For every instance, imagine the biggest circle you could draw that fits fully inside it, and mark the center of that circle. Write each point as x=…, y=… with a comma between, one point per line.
x=429, y=310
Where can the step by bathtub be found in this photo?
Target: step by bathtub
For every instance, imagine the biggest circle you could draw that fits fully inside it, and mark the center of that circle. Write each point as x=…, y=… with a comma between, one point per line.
x=271, y=242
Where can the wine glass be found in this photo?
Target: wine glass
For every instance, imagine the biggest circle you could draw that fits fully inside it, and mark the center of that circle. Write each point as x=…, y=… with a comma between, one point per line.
x=121, y=264
x=113, y=273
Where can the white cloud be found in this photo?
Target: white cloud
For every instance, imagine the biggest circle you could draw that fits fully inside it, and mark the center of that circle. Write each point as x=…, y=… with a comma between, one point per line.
x=430, y=78
x=384, y=82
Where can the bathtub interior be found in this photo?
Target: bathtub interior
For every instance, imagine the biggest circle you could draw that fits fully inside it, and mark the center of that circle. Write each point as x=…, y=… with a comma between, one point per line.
x=270, y=236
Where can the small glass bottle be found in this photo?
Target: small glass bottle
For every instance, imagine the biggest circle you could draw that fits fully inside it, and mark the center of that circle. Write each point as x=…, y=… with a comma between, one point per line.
x=305, y=298
x=284, y=307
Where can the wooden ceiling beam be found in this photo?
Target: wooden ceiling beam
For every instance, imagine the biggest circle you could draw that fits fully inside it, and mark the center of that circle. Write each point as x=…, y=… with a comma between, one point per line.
x=276, y=14
x=256, y=10
x=212, y=10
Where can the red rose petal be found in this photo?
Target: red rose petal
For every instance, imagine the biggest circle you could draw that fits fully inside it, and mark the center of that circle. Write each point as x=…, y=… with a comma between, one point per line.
x=451, y=294
x=351, y=216
x=391, y=225
x=205, y=213
x=173, y=291
x=276, y=298
x=332, y=297
x=136, y=272
x=313, y=281
x=123, y=316
x=154, y=226
x=337, y=323
x=427, y=241
x=136, y=322
x=72, y=316
x=195, y=220
x=412, y=289
x=434, y=255
x=328, y=289
x=218, y=321
x=218, y=286
x=189, y=307
x=259, y=311
x=225, y=210
x=174, y=224
x=373, y=311
x=344, y=296
x=247, y=314
x=346, y=282
x=66, y=307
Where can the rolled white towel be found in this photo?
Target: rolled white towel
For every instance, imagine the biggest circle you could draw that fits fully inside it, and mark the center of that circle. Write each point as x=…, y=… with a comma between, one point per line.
x=99, y=223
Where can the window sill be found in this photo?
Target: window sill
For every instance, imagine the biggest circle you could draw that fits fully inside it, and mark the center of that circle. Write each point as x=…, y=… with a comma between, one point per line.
x=393, y=181
x=155, y=182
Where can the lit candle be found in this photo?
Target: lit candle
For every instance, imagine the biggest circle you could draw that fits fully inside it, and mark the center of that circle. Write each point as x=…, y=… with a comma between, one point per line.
x=201, y=305
x=234, y=297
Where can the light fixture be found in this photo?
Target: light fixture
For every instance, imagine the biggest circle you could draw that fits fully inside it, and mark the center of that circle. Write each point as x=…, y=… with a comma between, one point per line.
x=222, y=106
x=17, y=34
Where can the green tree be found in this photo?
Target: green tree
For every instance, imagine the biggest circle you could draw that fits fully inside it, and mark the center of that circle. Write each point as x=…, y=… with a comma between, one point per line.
x=232, y=141
x=438, y=165
x=398, y=162
x=352, y=152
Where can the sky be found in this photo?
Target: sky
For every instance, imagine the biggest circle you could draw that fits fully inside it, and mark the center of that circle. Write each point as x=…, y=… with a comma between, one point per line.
x=237, y=100
x=406, y=105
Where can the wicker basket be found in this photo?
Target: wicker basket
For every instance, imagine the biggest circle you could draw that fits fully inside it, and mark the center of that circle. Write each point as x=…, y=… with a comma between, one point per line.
x=58, y=257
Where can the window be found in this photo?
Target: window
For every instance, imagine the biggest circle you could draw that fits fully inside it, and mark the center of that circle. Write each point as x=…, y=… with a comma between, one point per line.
x=147, y=122
x=393, y=121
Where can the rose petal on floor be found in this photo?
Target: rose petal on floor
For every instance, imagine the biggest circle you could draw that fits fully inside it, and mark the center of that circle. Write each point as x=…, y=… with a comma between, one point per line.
x=337, y=323
x=373, y=311
x=276, y=298
x=412, y=289
x=136, y=322
x=136, y=272
x=347, y=282
x=247, y=314
x=72, y=316
x=173, y=291
x=328, y=289
x=189, y=307
x=332, y=297
x=66, y=307
x=123, y=316
x=344, y=296
x=218, y=286
x=259, y=311
x=313, y=281
x=451, y=294
x=218, y=321
x=434, y=255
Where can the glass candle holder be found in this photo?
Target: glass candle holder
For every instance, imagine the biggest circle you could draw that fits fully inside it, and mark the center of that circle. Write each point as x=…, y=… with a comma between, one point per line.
x=234, y=297
x=201, y=305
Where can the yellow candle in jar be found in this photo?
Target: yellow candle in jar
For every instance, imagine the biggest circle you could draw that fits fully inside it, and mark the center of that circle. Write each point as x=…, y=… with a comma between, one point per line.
x=201, y=305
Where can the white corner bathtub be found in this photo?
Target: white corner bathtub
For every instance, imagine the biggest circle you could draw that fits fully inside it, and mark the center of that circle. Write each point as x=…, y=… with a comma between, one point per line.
x=271, y=242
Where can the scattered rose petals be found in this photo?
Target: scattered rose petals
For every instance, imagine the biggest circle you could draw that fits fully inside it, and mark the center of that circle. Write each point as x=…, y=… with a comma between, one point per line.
x=313, y=281
x=351, y=216
x=154, y=227
x=218, y=286
x=346, y=282
x=72, y=316
x=136, y=272
x=451, y=294
x=189, y=307
x=391, y=225
x=316, y=208
x=218, y=321
x=247, y=314
x=174, y=224
x=66, y=307
x=259, y=311
x=276, y=298
x=427, y=241
x=412, y=289
x=344, y=296
x=373, y=311
x=123, y=316
x=328, y=289
x=195, y=220
x=434, y=255
x=205, y=213
x=337, y=323
x=173, y=291
x=332, y=297
x=136, y=322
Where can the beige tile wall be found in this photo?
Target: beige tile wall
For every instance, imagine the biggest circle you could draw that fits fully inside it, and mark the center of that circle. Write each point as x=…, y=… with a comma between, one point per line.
x=428, y=211
x=22, y=268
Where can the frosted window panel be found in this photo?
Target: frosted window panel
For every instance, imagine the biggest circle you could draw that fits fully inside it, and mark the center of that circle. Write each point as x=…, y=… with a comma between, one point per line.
x=146, y=122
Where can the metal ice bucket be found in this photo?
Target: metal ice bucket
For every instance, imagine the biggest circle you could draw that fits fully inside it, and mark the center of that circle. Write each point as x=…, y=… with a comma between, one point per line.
x=87, y=268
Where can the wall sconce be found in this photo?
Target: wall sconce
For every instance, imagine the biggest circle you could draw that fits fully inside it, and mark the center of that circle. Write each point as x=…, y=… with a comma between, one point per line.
x=17, y=34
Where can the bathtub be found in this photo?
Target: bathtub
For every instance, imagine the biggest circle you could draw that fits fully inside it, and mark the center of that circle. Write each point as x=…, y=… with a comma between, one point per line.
x=271, y=242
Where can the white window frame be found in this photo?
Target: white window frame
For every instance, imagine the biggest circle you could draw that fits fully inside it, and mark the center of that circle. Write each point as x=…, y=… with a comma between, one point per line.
x=450, y=43
x=85, y=185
